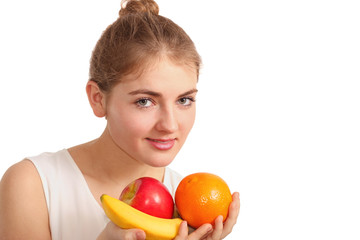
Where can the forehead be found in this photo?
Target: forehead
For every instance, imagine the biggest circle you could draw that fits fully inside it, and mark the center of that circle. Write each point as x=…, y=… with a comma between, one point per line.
x=163, y=76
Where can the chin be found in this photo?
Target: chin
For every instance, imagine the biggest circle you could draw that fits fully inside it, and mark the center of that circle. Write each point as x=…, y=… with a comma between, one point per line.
x=159, y=161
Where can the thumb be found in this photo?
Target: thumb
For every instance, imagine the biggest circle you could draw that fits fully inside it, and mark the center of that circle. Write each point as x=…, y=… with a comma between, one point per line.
x=140, y=235
x=135, y=234
x=201, y=232
x=112, y=231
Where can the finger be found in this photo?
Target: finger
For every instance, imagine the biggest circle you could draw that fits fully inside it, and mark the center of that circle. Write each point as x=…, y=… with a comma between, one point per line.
x=133, y=234
x=234, y=210
x=183, y=231
x=140, y=235
x=218, y=229
x=201, y=232
x=114, y=232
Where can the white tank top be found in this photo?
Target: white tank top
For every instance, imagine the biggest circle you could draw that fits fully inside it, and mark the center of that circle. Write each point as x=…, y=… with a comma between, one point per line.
x=74, y=214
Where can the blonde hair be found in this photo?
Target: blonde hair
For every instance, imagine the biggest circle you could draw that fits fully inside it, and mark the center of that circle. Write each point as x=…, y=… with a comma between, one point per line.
x=137, y=39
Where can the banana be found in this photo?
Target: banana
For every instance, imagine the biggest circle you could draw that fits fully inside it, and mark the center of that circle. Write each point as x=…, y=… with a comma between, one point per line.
x=125, y=216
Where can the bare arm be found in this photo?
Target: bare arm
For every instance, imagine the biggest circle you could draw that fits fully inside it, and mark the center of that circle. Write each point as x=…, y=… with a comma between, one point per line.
x=23, y=210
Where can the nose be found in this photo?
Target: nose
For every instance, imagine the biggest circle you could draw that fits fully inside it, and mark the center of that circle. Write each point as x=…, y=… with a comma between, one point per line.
x=167, y=120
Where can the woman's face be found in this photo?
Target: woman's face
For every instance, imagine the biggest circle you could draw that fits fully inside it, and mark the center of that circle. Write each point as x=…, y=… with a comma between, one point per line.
x=149, y=117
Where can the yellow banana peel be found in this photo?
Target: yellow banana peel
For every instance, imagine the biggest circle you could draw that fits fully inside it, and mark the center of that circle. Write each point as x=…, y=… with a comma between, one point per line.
x=125, y=216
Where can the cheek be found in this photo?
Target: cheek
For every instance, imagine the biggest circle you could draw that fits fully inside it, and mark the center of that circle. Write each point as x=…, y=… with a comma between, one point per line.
x=127, y=125
x=187, y=121
x=138, y=126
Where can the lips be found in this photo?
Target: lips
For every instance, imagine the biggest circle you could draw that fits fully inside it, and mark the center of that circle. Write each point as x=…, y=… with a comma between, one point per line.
x=162, y=144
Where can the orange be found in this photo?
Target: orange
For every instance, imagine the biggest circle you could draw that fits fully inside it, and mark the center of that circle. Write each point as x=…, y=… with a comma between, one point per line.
x=201, y=197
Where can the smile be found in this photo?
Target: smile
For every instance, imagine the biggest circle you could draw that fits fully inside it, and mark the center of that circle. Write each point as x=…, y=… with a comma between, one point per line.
x=162, y=144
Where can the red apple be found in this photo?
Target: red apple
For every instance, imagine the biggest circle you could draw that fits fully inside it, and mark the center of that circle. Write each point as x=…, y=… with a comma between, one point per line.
x=149, y=196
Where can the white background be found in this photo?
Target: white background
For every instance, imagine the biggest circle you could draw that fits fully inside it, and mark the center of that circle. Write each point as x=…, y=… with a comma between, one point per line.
x=278, y=104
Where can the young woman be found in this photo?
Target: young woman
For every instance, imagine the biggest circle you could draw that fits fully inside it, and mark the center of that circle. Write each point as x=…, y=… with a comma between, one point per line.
x=143, y=76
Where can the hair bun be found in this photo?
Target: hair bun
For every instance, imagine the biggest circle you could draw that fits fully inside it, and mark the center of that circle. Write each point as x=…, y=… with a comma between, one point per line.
x=138, y=6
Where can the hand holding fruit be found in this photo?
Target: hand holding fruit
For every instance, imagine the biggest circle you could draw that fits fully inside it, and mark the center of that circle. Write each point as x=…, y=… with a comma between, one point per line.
x=202, y=199
x=113, y=232
x=148, y=194
x=219, y=231
x=205, y=202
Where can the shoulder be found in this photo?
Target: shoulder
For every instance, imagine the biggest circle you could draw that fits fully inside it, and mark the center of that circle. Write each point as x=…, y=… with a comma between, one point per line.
x=22, y=203
x=21, y=175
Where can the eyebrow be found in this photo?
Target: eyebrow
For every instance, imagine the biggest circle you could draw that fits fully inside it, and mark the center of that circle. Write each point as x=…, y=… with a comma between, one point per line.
x=156, y=94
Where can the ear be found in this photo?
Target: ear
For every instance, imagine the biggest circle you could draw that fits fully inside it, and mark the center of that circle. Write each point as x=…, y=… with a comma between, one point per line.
x=96, y=98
